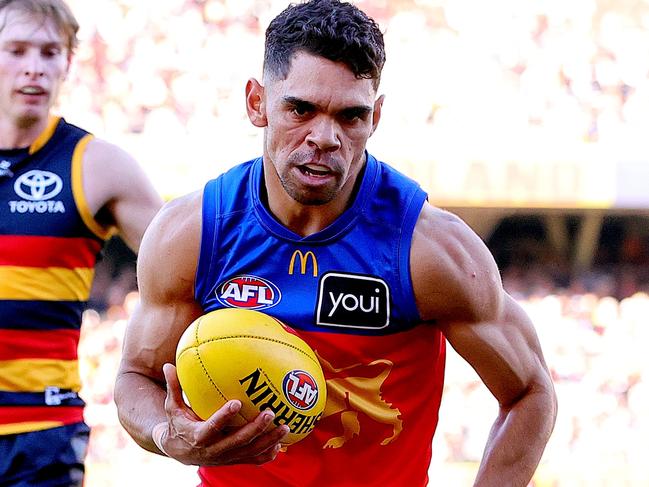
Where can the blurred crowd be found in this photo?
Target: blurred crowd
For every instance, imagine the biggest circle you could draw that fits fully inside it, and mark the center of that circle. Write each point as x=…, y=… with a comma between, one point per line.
x=166, y=78
x=594, y=345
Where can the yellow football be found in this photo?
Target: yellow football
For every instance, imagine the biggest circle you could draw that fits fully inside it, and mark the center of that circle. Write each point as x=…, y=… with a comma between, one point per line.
x=247, y=355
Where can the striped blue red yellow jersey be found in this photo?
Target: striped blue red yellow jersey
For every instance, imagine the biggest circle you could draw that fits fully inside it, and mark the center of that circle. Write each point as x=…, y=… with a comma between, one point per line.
x=347, y=292
x=49, y=243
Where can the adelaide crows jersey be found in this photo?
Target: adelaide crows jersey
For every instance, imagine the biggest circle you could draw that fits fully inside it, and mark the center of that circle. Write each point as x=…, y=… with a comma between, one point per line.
x=49, y=244
x=348, y=293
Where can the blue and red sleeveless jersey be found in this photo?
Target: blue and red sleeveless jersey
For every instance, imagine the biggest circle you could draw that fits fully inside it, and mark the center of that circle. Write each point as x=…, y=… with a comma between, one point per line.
x=347, y=292
x=49, y=243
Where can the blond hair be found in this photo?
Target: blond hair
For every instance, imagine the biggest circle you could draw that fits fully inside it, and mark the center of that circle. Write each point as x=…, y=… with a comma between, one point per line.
x=56, y=10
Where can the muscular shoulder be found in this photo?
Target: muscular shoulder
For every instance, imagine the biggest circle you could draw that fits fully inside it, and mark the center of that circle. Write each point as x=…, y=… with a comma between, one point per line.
x=110, y=172
x=170, y=247
x=102, y=158
x=117, y=191
x=455, y=277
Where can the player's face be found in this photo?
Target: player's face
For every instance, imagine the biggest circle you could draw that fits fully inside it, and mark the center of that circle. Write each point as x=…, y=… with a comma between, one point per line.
x=317, y=123
x=34, y=61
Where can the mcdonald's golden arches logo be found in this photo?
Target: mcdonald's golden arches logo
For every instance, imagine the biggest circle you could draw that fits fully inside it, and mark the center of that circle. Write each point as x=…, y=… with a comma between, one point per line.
x=304, y=259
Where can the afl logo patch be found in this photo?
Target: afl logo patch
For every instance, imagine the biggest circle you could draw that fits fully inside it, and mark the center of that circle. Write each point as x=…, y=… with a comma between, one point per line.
x=300, y=389
x=38, y=185
x=250, y=292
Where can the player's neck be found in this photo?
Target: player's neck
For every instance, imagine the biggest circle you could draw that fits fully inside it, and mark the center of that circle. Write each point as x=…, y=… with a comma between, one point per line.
x=14, y=135
x=302, y=219
x=305, y=220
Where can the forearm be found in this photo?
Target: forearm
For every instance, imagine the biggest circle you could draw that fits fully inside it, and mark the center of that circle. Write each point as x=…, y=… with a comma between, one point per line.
x=517, y=440
x=140, y=406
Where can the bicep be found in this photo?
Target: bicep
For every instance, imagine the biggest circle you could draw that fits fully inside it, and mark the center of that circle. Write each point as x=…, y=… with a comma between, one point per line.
x=505, y=352
x=166, y=269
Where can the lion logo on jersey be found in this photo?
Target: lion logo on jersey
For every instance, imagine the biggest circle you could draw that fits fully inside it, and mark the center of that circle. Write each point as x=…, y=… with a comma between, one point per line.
x=350, y=392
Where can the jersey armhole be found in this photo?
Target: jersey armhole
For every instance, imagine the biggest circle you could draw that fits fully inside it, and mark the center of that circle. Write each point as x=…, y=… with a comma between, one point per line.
x=208, y=239
x=410, y=217
x=79, y=195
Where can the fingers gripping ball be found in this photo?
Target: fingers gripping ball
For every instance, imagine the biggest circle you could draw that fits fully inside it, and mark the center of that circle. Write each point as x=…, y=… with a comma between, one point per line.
x=250, y=356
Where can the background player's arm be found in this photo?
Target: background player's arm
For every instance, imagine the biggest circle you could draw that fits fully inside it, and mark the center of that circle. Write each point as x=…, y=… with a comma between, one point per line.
x=457, y=284
x=118, y=191
x=149, y=399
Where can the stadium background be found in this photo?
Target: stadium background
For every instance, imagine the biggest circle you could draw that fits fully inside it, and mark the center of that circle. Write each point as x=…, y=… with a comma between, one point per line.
x=526, y=118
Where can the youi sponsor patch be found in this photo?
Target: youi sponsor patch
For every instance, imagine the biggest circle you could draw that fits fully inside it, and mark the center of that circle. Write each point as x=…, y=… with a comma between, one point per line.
x=353, y=301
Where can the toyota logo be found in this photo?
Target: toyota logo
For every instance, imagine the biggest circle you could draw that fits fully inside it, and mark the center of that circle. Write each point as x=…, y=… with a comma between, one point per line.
x=38, y=185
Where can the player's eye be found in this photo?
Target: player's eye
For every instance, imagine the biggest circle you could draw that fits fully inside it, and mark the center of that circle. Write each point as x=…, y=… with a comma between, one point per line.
x=51, y=52
x=301, y=109
x=350, y=117
x=16, y=51
x=354, y=115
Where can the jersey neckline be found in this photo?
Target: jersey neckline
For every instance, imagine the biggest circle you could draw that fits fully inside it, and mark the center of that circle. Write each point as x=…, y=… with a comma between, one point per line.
x=338, y=227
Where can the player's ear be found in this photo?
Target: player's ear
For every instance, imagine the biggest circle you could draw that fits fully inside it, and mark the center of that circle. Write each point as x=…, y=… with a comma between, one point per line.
x=376, y=114
x=256, y=103
x=68, y=59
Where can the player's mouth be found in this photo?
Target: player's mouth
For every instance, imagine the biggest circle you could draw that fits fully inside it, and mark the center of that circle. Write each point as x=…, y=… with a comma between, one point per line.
x=315, y=170
x=33, y=92
x=316, y=175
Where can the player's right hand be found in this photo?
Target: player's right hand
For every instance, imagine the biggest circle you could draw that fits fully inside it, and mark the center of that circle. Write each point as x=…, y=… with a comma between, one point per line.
x=192, y=441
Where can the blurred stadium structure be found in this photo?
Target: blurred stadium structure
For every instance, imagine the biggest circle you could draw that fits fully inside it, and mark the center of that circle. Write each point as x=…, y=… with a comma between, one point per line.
x=528, y=119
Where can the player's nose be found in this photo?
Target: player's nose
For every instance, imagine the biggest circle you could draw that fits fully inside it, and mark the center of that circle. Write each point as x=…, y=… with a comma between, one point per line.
x=324, y=134
x=33, y=65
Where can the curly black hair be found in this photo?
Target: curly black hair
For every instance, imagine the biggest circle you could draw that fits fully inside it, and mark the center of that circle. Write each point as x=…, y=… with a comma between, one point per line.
x=335, y=30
